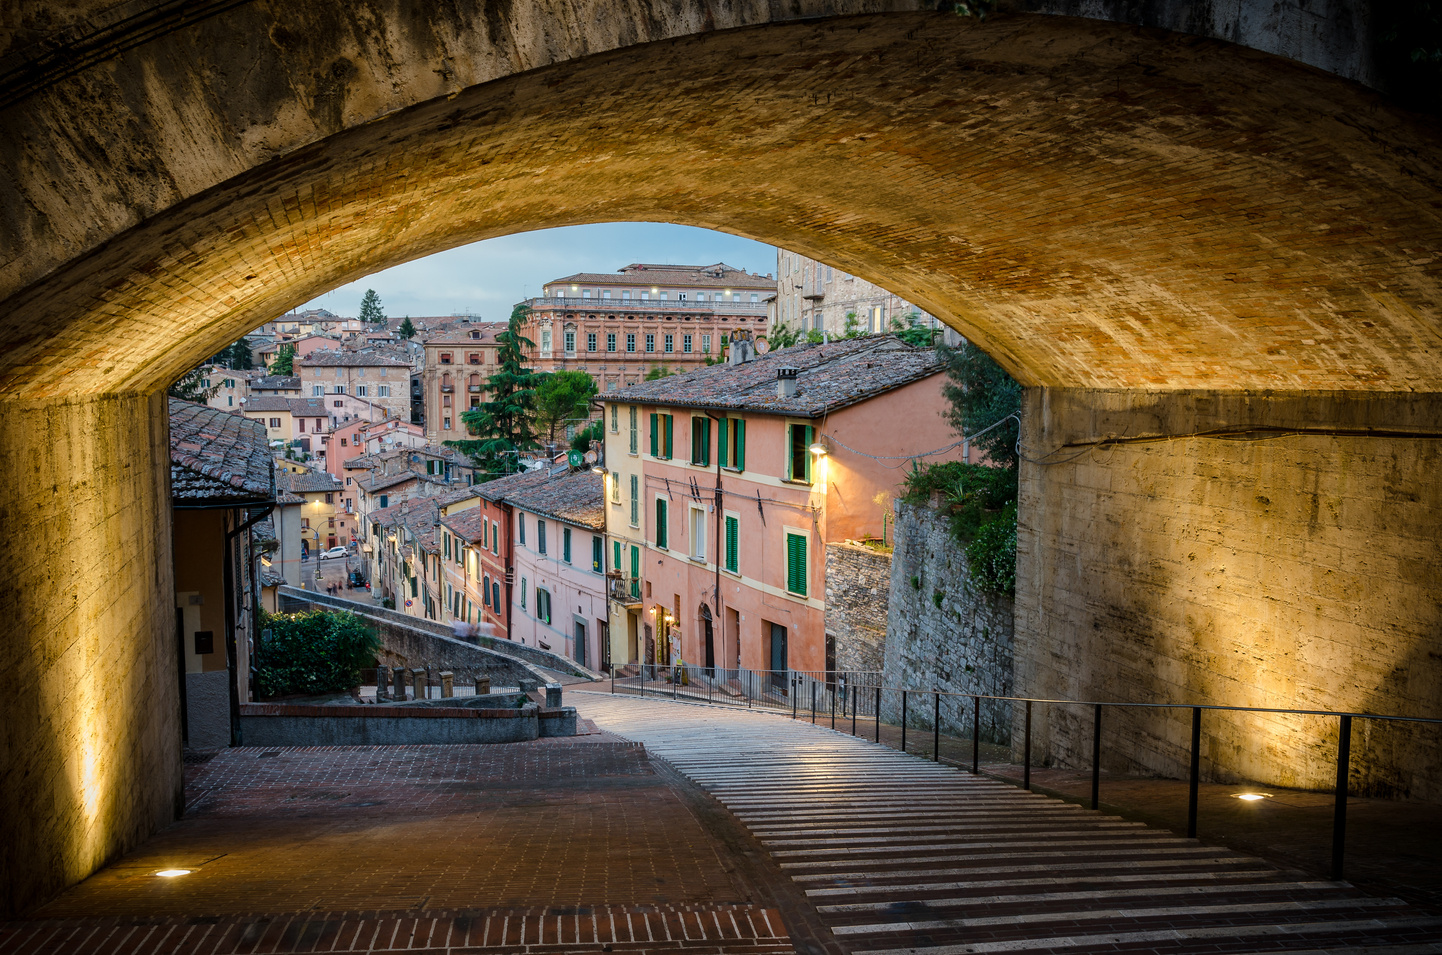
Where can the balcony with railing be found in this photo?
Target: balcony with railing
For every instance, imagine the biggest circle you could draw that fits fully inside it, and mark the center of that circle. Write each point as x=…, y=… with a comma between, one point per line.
x=624, y=590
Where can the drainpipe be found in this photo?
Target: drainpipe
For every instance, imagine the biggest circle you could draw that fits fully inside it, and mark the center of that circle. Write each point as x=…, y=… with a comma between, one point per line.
x=228, y=580
x=510, y=565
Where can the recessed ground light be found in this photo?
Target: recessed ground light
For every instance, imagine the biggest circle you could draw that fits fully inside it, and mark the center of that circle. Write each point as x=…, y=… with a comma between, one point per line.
x=1251, y=797
x=172, y=873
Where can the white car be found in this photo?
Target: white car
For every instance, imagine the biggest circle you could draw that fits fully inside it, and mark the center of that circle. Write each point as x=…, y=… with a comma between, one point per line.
x=333, y=552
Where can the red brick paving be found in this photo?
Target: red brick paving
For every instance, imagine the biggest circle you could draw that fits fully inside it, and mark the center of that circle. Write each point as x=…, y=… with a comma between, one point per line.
x=557, y=845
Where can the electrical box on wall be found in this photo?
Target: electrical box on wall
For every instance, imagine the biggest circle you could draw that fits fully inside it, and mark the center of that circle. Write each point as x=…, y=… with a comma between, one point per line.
x=205, y=641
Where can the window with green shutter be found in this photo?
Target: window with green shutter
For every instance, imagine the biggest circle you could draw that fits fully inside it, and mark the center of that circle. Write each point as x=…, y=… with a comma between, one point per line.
x=598, y=555
x=733, y=535
x=723, y=439
x=666, y=423
x=566, y=544
x=799, y=457
x=635, y=571
x=661, y=523
x=796, y=564
x=655, y=436
x=635, y=446
x=635, y=500
x=615, y=555
x=701, y=441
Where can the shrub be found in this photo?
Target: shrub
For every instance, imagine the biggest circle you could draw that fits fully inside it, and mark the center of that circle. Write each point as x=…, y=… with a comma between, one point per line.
x=980, y=506
x=992, y=553
x=319, y=651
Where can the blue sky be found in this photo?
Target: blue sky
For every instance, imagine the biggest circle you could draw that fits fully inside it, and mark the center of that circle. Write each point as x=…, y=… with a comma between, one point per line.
x=487, y=278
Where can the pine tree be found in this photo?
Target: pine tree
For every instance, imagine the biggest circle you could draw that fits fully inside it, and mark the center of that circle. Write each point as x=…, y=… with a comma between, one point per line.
x=370, y=310
x=192, y=387
x=501, y=427
x=407, y=330
x=284, y=363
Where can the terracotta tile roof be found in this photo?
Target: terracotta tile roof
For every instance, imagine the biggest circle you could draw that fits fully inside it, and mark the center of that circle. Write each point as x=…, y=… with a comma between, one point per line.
x=367, y=357
x=640, y=273
x=461, y=334
x=312, y=483
x=829, y=377
x=469, y=526
x=417, y=515
x=267, y=403
x=307, y=407
x=217, y=457
x=275, y=383
x=575, y=498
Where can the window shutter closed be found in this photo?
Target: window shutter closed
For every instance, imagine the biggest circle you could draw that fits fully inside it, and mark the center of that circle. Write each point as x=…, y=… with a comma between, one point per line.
x=722, y=452
x=732, y=533
x=740, y=464
x=616, y=553
x=661, y=524
x=796, y=564
x=668, y=436
x=598, y=554
x=655, y=444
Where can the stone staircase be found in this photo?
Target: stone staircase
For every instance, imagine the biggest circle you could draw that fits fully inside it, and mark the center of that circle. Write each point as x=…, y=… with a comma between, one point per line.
x=901, y=855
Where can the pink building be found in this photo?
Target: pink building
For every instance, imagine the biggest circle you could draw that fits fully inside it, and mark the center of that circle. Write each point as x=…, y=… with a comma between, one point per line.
x=725, y=484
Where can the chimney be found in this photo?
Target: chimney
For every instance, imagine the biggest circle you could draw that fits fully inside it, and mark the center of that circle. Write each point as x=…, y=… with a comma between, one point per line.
x=786, y=382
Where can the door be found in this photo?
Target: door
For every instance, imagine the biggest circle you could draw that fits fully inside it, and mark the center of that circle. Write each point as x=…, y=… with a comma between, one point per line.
x=579, y=639
x=633, y=653
x=778, y=655
x=708, y=640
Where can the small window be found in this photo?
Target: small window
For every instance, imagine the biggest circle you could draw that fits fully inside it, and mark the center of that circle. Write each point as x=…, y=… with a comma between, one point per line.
x=383, y=391
x=566, y=544
x=799, y=457
x=495, y=595
x=698, y=533
x=635, y=501
x=598, y=555
x=635, y=448
x=615, y=419
x=521, y=527
x=701, y=441
x=630, y=341
x=733, y=539
x=796, y=564
x=650, y=342
x=570, y=340
x=686, y=344
x=317, y=390
x=361, y=391
x=495, y=537
x=610, y=341
x=523, y=593
x=445, y=358
x=540, y=537
x=486, y=590
x=661, y=430
x=705, y=344
x=543, y=605
x=661, y=527
x=590, y=341
x=338, y=404
x=731, y=443
x=670, y=343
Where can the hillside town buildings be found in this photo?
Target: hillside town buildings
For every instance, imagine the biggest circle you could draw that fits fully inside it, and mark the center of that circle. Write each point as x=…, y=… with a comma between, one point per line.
x=380, y=377
x=813, y=296
x=458, y=360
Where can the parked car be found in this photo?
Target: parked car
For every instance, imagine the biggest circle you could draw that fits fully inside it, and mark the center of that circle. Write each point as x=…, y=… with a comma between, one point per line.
x=336, y=551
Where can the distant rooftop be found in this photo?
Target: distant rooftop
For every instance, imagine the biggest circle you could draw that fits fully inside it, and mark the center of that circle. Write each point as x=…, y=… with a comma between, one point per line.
x=575, y=498
x=829, y=377
x=639, y=274
x=367, y=357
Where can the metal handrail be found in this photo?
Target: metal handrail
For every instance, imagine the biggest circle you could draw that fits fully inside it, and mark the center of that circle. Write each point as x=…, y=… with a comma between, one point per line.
x=837, y=688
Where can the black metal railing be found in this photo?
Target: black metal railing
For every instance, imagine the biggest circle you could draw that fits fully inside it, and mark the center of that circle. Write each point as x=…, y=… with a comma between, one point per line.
x=823, y=696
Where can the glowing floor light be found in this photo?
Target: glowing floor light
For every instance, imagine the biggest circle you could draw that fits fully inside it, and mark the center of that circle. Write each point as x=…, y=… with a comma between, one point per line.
x=172, y=873
x=1250, y=797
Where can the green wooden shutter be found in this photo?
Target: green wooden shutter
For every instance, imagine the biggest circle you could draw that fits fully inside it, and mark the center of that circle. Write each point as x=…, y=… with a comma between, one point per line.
x=740, y=464
x=616, y=553
x=732, y=533
x=809, y=458
x=635, y=501
x=661, y=524
x=655, y=445
x=668, y=436
x=722, y=452
x=635, y=570
x=796, y=564
x=566, y=544
x=598, y=554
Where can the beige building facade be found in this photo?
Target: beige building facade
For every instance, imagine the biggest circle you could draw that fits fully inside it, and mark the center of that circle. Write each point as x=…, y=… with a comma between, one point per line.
x=813, y=296
x=379, y=376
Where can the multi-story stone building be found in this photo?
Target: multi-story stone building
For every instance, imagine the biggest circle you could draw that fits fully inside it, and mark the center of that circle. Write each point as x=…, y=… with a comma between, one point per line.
x=617, y=327
x=811, y=295
x=379, y=376
x=725, y=484
x=457, y=361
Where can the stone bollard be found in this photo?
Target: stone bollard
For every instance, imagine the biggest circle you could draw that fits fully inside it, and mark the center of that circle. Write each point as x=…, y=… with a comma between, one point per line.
x=483, y=685
x=553, y=695
x=381, y=693
x=529, y=686
x=418, y=680
x=400, y=676
x=448, y=684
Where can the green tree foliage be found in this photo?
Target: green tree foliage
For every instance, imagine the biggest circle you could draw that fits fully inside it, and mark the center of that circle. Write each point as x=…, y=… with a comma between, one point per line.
x=500, y=428
x=320, y=651
x=853, y=328
x=370, y=310
x=911, y=331
x=1407, y=49
x=235, y=355
x=980, y=507
x=562, y=397
x=591, y=432
x=658, y=372
x=284, y=363
x=191, y=387
x=981, y=394
x=407, y=330
x=784, y=336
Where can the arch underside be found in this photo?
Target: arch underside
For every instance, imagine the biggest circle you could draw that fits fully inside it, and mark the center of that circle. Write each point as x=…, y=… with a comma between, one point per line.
x=1097, y=206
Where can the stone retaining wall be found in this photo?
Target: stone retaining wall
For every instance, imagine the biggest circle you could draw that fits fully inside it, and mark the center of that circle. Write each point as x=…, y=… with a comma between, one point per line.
x=858, y=583
x=279, y=724
x=942, y=632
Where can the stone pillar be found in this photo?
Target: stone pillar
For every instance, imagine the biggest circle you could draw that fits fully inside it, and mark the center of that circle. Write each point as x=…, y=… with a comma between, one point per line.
x=418, y=681
x=92, y=755
x=483, y=685
x=448, y=688
x=381, y=693
x=1280, y=570
x=400, y=678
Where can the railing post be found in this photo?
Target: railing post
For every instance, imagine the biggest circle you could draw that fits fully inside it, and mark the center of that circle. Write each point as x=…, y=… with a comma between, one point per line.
x=1096, y=754
x=833, y=706
x=793, y=696
x=855, y=694
x=613, y=679
x=936, y=727
x=878, y=714
x=813, y=702
x=1339, y=814
x=1026, y=752
x=975, y=735
x=1196, y=773
x=903, y=721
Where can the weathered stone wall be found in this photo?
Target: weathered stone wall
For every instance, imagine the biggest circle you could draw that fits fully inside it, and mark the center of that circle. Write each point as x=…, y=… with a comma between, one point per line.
x=944, y=633
x=858, y=584
x=1295, y=570
x=90, y=738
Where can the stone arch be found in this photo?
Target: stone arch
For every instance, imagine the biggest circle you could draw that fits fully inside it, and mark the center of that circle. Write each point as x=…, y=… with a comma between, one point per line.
x=1102, y=207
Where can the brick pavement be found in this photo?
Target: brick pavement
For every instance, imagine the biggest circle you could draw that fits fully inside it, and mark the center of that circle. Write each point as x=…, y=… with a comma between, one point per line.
x=556, y=845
